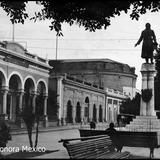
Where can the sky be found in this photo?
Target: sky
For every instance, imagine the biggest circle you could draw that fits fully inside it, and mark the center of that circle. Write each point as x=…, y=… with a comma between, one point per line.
x=115, y=43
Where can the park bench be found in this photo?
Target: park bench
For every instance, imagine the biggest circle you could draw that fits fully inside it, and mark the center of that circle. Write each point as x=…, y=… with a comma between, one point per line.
x=94, y=147
x=129, y=138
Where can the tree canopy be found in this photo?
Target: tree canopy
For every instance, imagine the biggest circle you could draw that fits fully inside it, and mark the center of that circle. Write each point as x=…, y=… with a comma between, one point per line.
x=129, y=106
x=91, y=14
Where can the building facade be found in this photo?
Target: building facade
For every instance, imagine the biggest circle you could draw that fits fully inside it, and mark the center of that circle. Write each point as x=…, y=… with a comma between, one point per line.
x=96, y=83
x=21, y=74
x=82, y=102
x=83, y=87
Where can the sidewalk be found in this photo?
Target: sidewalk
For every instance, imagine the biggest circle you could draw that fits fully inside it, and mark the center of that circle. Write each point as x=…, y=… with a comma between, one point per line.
x=59, y=128
x=49, y=138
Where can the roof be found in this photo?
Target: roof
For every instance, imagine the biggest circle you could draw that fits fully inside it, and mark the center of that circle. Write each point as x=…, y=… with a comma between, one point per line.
x=85, y=60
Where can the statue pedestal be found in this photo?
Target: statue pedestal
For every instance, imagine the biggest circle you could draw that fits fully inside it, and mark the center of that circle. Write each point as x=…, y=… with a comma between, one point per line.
x=147, y=121
x=148, y=72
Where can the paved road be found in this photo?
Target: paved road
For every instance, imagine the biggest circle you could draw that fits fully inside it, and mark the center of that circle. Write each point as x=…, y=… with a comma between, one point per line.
x=49, y=140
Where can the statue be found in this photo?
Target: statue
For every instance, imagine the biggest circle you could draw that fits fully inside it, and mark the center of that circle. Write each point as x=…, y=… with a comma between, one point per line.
x=149, y=43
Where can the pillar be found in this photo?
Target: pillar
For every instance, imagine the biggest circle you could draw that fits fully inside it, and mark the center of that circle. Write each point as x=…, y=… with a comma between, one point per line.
x=73, y=113
x=10, y=107
x=60, y=98
x=21, y=100
x=20, y=105
x=82, y=113
x=91, y=111
x=4, y=109
x=148, y=73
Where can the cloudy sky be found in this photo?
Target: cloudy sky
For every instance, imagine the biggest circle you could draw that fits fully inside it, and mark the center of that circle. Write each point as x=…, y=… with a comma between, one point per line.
x=116, y=42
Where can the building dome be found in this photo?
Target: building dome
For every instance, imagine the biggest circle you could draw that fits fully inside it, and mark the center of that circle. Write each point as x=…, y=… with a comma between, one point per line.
x=103, y=72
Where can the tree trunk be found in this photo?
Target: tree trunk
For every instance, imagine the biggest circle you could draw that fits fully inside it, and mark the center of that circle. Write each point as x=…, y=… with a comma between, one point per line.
x=29, y=129
x=37, y=130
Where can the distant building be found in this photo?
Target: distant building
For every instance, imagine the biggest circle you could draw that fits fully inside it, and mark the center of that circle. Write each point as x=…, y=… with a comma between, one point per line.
x=105, y=77
x=102, y=72
x=130, y=92
x=82, y=102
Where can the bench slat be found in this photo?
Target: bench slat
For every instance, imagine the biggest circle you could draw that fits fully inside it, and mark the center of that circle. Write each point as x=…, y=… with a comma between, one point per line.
x=93, y=149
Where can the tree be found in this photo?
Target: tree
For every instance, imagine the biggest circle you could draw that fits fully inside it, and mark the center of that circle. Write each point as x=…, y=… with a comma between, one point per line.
x=91, y=14
x=28, y=117
x=129, y=106
x=31, y=117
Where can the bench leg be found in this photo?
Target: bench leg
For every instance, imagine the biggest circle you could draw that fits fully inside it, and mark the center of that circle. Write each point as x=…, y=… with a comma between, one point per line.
x=151, y=153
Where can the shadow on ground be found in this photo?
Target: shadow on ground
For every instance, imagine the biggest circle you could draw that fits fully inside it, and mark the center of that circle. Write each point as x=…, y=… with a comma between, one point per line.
x=139, y=157
x=24, y=155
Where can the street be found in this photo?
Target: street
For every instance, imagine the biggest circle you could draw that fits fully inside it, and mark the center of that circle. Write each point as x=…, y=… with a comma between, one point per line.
x=49, y=141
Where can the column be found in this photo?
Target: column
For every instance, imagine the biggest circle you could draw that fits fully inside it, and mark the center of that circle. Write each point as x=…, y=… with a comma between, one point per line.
x=97, y=116
x=4, y=110
x=148, y=73
x=151, y=111
x=143, y=105
x=82, y=113
x=20, y=105
x=73, y=113
x=74, y=105
x=10, y=107
x=60, y=98
x=21, y=93
x=45, y=111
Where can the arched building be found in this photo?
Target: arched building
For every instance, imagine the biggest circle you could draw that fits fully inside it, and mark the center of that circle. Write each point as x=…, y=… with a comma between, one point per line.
x=97, y=88
x=82, y=102
x=23, y=77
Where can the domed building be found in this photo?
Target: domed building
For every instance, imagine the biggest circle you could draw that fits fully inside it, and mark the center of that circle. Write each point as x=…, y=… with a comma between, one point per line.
x=90, y=89
x=102, y=72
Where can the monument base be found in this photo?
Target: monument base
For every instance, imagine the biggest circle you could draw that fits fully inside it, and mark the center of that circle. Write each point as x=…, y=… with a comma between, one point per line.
x=144, y=124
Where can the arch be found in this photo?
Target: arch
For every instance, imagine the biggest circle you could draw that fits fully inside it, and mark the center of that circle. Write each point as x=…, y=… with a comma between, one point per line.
x=78, y=113
x=45, y=85
x=32, y=78
x=41, y=88
x=100, y=113
x=15, y=84
x=3, y=78
x=18, y=77
x=94, y=113
x=29, y=89
x=69, y=118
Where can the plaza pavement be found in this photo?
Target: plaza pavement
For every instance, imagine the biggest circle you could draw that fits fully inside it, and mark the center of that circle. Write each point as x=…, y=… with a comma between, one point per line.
x=49, y=138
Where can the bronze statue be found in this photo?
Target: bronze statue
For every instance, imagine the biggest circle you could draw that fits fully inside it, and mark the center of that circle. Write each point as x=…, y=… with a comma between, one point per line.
x=149, y=43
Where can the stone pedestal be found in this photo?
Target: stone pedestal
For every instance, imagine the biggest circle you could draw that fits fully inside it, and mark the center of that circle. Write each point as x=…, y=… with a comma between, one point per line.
x=147, y=121
x=148, y=73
